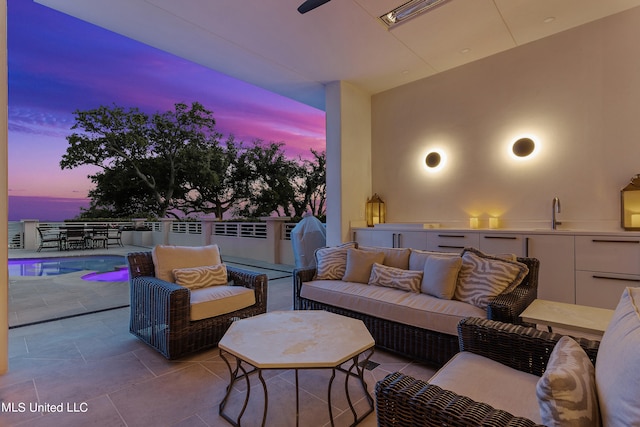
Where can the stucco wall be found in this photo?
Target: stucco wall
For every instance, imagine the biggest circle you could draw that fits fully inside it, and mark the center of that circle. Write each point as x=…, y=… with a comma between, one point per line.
x=577, y=92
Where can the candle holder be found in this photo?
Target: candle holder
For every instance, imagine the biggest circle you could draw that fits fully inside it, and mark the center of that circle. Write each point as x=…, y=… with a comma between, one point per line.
x=375, y=211
x=630, y=205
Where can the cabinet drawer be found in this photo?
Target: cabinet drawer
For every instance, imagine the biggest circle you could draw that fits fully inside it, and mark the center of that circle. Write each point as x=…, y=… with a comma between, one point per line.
x=602, y=290
x=497, y=244
x=608, y=253
x=451, y=242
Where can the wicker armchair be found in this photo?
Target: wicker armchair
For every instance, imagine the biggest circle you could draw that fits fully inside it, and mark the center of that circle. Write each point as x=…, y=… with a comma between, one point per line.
x=160, y=311
x=405, y=401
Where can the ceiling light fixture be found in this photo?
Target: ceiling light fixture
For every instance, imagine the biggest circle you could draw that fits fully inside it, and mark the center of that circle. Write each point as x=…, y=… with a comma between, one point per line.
x=408, y=10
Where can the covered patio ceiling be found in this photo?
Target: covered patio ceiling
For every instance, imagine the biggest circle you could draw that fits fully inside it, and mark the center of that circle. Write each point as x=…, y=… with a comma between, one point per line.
x=271, y=45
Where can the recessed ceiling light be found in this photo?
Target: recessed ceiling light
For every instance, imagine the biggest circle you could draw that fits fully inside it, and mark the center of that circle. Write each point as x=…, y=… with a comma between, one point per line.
x=405, y=71
x=549, y=19
x=465, y=50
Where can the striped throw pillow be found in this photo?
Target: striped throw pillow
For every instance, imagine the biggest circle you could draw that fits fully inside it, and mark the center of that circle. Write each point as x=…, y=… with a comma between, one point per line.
x=567, y=390
x=482, y=277
x=391, y=277
x=201, y=277
x=331, y=262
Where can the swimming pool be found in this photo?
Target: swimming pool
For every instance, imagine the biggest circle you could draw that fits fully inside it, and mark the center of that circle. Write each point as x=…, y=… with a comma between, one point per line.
x=103, y=267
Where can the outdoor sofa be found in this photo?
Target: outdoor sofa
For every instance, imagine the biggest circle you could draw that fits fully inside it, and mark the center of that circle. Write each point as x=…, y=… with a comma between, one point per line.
x=421, y=298
x=170, y=309
x=512, y=375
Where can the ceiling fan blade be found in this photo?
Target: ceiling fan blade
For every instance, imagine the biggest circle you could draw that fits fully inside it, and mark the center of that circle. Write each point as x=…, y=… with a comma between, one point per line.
x=310, y=5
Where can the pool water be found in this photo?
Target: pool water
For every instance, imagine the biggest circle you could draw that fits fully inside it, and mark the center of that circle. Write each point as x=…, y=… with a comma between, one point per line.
x=104, y=267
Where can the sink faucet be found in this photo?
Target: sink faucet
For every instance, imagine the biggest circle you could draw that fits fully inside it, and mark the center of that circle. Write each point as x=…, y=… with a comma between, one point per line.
x=555, y=208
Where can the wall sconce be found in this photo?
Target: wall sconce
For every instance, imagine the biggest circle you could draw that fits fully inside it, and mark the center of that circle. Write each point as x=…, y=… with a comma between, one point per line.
x=433, y=159
x=630, y=205
x=375, y=211
x=523, y=147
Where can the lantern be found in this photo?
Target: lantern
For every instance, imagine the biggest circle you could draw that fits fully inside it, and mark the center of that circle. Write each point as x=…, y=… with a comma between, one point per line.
x=630, y=205
x=375, y=211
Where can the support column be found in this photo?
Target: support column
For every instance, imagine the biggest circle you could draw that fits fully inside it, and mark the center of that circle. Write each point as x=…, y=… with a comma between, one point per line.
x=275, y=226
x=30, y=233
x=207, y=231
x=166, y=229
x=348, y=158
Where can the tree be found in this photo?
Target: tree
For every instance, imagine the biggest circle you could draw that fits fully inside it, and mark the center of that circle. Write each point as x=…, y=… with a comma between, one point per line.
x=216, y=180
x=272, y=180
x=314, y=184
x=147, y=149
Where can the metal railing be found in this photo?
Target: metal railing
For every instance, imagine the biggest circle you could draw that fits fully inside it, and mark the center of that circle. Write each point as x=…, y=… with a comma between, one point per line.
x=186, y=227
x=256, y=230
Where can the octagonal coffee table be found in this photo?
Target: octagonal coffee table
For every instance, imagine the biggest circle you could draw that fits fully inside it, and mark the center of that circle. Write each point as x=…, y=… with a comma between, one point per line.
x=299, y=339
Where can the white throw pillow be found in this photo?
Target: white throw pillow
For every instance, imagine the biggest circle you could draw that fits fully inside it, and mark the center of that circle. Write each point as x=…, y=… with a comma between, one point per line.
x=618, y=364
x=201, y=277
x=567, y=389
x=441, y=275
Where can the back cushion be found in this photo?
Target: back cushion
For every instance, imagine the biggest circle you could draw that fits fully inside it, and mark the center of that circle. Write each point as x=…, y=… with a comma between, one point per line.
x=618, y=364
x=167, y=258
x=393, y=257
x=418, y=258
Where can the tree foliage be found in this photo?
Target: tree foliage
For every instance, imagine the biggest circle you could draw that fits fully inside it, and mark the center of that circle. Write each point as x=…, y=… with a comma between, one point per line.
x=175, y=164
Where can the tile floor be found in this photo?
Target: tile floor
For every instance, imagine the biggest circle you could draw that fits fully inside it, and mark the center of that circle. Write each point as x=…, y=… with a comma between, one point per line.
x=104, y=376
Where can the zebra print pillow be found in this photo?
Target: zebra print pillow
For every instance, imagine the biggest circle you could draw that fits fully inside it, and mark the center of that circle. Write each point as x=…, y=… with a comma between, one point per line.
x=483, y=277
x=391, y=277
x=331, y=262
x=567, y=390
x=201, y=277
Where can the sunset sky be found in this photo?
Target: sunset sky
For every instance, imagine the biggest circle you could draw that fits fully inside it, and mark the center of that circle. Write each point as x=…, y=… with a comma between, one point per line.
x=59, y=64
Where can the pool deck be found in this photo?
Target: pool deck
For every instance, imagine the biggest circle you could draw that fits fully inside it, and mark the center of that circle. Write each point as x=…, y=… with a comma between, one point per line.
x=34, y=300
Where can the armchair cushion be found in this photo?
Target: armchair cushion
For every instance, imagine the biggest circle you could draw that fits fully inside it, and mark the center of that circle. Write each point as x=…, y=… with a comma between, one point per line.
x=617, y=373
x=483, y=277
x=201, y=277
x=216, y=300
x=485, y=380
x=567, y=389
x=166, y=258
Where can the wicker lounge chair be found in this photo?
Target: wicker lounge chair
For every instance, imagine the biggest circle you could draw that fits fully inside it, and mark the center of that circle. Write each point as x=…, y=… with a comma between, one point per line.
x=406, y=401
x=160, y=310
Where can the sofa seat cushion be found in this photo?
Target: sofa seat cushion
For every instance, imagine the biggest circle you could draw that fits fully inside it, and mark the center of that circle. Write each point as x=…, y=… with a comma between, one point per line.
x=216, y=300
x=415, y=309
x=485, y=380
